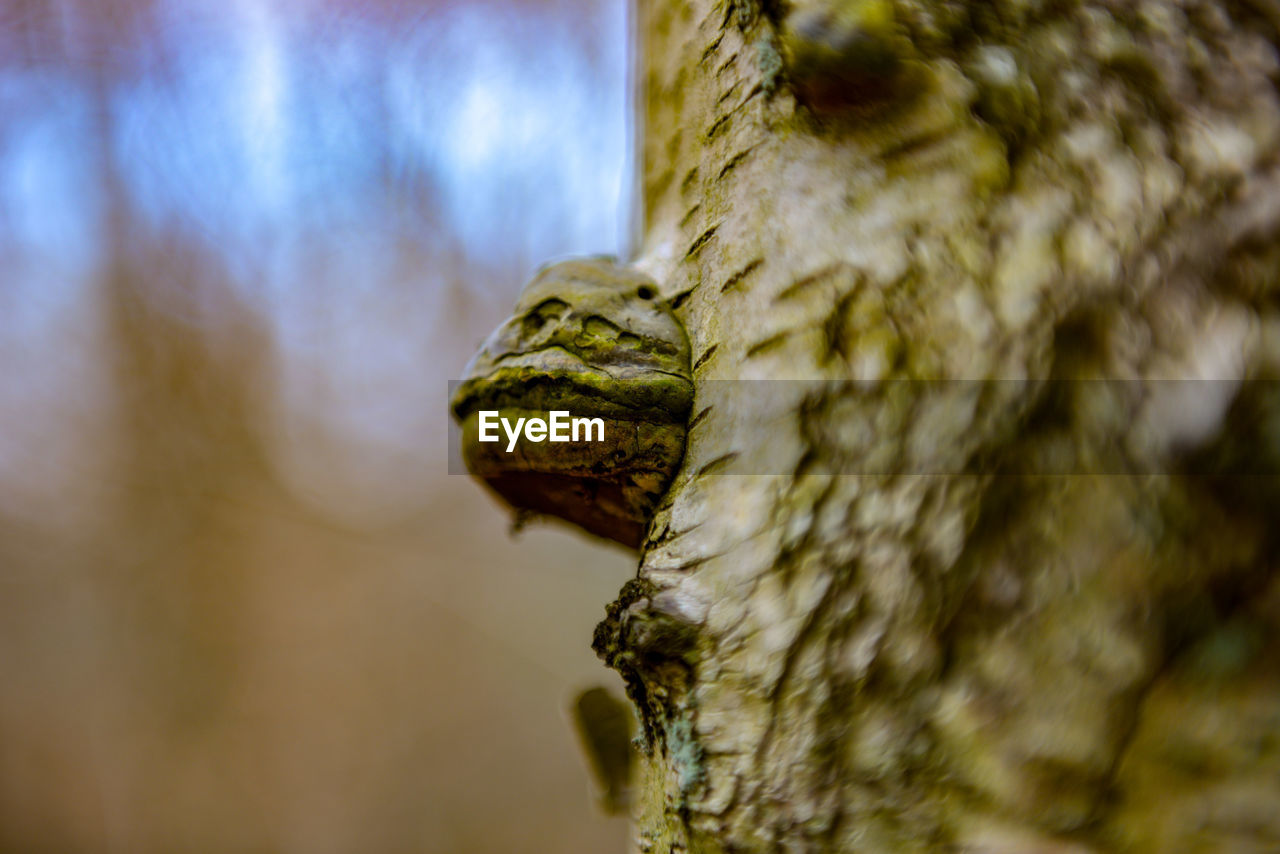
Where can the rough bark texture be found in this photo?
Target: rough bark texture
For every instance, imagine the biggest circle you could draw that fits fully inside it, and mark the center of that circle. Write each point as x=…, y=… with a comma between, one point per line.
x=1023, y=624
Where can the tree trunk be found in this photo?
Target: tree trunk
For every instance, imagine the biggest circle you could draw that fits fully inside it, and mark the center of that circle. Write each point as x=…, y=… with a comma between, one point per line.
x=1011, y=589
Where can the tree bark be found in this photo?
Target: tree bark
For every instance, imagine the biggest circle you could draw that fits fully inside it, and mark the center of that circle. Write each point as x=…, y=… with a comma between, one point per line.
x=998, y=594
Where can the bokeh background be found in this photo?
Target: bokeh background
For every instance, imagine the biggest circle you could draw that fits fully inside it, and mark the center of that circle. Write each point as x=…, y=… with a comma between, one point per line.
x=244, y=245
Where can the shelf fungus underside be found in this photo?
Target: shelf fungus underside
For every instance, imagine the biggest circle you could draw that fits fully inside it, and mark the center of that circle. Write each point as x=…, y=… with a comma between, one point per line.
x=592, y=340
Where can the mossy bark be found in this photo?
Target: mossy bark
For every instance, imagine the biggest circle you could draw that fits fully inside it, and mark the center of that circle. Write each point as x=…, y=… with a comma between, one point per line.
x=980, y=600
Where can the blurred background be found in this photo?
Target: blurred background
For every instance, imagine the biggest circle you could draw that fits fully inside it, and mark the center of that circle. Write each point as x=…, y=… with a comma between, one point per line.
x=244, y=245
